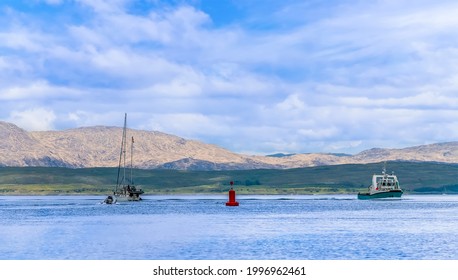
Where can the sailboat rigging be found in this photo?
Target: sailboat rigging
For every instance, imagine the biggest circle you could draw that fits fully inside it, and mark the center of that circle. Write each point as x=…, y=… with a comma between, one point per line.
x=125, y=187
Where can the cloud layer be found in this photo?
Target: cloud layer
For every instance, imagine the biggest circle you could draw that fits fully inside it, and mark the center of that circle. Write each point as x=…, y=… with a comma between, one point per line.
x=287, y=76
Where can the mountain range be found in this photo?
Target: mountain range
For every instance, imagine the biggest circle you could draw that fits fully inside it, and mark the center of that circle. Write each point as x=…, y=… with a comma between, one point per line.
x=99, y=146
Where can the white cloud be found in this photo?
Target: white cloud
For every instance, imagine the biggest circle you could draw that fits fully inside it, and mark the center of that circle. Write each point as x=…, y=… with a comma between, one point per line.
x=35, y=119
x=22, y=39
x=37, y=90
x=428, y=100
x=291, y=103
x=192, y=125
x=105, y=6
x=314, y=77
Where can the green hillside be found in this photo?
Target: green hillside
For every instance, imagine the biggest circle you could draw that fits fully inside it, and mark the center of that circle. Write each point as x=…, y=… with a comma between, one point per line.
x=349, y=178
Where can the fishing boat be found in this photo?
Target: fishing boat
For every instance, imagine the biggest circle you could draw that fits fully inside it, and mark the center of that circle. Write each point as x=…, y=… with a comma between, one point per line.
x=383, y=186
x=125, y=189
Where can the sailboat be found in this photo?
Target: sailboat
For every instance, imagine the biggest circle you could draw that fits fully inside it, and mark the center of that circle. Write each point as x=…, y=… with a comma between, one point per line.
x=125, y=189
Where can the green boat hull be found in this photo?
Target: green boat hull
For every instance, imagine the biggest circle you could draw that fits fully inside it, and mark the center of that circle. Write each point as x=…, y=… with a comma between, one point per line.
x=389, y=194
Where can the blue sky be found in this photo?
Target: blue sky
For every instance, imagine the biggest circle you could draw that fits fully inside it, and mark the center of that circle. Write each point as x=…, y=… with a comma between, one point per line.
x=252, y=76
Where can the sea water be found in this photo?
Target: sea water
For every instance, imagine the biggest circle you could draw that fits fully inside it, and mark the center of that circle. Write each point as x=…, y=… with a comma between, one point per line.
x=315, y=227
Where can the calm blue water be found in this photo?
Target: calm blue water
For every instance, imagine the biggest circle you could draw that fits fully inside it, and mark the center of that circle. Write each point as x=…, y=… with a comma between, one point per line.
x=202, y=227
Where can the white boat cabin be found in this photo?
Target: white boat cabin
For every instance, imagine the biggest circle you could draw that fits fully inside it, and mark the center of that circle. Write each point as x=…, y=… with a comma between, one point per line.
x=384, y=182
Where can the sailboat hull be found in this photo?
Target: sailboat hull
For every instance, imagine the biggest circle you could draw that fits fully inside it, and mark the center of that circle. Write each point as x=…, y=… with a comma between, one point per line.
x=110, y=200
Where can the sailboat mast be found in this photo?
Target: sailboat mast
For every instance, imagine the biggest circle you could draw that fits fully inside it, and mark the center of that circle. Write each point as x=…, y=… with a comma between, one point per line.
x=131, y=160
x=124, y=147
x=122, y=155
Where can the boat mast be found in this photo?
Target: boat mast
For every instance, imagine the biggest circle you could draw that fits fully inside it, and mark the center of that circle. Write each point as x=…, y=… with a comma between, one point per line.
x=122, y=155
x=124, y=149
x=131, y=160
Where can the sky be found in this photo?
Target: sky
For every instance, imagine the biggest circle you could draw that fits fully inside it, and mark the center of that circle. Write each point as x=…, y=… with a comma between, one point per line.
x=252, y=76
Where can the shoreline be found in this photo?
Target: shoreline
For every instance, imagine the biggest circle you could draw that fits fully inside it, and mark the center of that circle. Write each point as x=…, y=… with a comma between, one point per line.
x=60, y=194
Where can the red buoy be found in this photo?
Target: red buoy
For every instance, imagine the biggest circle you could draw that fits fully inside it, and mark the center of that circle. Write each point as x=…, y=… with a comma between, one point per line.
x=232, y=201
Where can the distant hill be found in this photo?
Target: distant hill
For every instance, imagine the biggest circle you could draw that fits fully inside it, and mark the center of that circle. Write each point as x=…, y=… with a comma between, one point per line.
x=99, y=146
